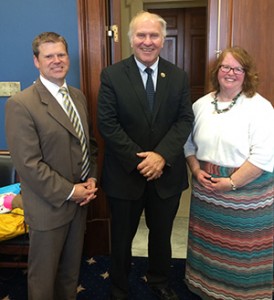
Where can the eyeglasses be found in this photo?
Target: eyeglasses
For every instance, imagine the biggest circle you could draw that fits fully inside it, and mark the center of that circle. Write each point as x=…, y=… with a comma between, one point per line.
x=236, y=70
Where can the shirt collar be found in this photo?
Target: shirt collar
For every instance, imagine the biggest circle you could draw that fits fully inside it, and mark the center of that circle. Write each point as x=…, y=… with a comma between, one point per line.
x=142, y=67
x=52, y=87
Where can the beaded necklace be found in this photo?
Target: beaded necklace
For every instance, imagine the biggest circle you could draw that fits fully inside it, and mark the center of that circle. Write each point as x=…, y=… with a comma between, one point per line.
x=219, y=111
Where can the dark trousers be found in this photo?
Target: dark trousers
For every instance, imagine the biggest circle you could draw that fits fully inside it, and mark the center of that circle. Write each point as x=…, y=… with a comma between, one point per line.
x=125, y=216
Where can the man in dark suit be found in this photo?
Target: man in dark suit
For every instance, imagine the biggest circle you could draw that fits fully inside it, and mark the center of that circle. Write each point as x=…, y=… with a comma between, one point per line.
x=56, y=187
x=144, y=164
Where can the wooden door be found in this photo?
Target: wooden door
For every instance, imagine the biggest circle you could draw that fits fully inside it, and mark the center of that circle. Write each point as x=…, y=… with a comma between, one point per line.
x=97, y=50
x=245, y=23
x=185, y=43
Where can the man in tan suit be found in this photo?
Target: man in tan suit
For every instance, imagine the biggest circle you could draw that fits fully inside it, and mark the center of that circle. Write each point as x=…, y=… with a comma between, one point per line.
x=47, y=153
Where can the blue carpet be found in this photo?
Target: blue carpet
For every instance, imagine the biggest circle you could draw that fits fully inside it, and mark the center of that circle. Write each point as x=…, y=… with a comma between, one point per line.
x=94, y=281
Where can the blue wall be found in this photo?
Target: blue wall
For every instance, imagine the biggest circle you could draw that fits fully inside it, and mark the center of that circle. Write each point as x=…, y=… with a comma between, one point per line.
x=20, y=22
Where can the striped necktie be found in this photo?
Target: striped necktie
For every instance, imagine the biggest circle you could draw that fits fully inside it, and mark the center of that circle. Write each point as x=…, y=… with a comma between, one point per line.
x=150, y=88
x=77, y=126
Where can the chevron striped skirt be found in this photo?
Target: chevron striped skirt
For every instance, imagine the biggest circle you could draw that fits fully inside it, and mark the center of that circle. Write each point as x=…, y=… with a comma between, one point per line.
x=230, y=246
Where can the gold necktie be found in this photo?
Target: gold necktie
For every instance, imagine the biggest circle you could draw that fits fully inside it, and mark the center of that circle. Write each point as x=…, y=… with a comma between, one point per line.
x=77, y=126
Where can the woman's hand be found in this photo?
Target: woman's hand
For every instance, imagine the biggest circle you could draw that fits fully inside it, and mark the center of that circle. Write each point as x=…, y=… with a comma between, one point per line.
x=221, y=184
x=203, y=178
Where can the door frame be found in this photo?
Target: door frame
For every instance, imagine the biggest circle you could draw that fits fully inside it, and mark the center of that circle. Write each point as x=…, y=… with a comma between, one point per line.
x=97, y=50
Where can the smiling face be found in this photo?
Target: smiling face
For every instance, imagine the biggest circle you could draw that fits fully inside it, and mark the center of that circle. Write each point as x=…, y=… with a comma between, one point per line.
x=230, y=81
x=147, y=40
x=53, y=62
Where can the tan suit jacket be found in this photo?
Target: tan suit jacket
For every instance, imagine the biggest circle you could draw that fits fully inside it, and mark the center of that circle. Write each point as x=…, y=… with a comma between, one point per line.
x=46, y=153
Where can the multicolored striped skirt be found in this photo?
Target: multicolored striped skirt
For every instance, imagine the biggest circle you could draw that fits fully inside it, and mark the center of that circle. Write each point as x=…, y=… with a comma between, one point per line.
x=230, y=246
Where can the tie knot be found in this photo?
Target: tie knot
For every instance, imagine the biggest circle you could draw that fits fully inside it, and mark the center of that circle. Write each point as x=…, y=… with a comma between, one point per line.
x=148, y=71
x=64, y=91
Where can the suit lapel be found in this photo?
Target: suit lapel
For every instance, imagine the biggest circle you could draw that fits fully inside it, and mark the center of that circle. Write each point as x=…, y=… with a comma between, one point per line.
x=134, y=76
x=54, y=109
x=133, y=73
x=162, y=87
x=81, y=111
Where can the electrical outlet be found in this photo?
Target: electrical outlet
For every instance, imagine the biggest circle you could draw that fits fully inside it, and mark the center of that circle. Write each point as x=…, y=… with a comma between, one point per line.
x=9, y=88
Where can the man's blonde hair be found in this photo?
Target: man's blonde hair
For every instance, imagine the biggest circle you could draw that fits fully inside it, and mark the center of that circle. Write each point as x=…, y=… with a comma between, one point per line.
x=146, y=15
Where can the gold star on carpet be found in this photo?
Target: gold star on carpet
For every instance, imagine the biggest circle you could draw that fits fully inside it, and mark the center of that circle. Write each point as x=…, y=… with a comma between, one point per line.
x=91, y=261
x=105, y=275
x=80, y=288
x=144, y=278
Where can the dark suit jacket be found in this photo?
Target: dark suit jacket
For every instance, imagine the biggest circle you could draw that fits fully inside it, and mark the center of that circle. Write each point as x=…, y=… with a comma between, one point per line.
x=127, y=126
x=46, y=153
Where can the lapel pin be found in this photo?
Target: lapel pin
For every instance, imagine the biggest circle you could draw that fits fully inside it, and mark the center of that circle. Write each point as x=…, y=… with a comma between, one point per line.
x=163, y=75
